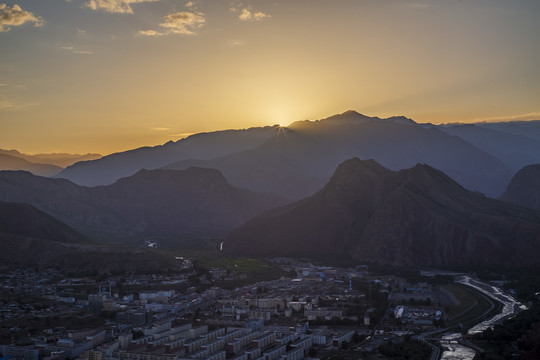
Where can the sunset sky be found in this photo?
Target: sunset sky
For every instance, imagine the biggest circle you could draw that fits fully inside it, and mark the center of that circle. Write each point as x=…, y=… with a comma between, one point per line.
x=110, y=75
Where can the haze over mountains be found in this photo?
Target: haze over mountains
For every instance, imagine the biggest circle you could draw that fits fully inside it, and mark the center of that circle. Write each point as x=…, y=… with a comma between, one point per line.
x=417, y=216
x=152, y=203
x=40, y=164
x=514, y=149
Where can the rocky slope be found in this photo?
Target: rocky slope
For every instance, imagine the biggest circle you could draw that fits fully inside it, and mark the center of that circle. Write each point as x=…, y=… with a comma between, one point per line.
x=417, y=216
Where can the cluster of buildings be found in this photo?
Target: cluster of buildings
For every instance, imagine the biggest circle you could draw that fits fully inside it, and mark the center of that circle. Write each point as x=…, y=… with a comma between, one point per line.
x=263, y=321
x=423, y=316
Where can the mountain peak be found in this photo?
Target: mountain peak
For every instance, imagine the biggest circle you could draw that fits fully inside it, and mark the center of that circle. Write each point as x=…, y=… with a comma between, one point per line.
x=417, y=216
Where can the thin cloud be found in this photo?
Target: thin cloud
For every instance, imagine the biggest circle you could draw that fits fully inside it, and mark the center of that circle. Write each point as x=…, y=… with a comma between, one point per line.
x=115, y=6
x=190, y=5
x=160, y=129
x=182, y=22
x=235, y=43
x=76, y=51
x=16, y=16
x=150, y=33
x=247, y=15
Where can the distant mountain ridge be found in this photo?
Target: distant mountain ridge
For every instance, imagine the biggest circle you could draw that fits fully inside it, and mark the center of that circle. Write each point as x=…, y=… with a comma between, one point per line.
x=417, y=216
x=58, y=159
x=9, y=162
x=300, y=159
x=513, y=148
x=482, y=157
x=108, y=169
x=152, y=203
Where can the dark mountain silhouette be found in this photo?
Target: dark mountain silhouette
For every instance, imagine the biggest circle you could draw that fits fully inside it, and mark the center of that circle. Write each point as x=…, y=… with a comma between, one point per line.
x=417, y=216
x=9, y=162
x=514, y=150
x=110, y=168
x=300, y=159
x=152, y=203
x=30, y=237
x=25, y=220
x=524, y=189
x=59, y=159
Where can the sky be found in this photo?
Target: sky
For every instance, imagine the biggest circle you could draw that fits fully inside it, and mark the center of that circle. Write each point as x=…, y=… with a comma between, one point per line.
x=104, y=76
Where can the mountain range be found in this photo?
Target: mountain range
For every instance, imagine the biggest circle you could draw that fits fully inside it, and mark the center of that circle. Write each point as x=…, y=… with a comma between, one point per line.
x=108, y=169
x=297, y=160
x=300, y=159
x=152, y=203
x=275, y=190
x=417, y=216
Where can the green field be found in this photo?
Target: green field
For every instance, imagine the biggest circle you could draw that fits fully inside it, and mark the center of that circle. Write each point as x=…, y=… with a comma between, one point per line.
x=209, y=257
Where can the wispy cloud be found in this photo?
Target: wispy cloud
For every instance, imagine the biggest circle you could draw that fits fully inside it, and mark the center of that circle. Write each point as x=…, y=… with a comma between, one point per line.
x=190, y=5
x=15, y=16
x=236, y=42
x=150, y=33
x=115, y=6
x=76, y=51
x=247, y=14
x=160, y=128
x=182, y=22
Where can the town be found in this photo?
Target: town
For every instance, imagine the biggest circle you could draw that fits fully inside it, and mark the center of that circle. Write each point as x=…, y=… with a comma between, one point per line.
x=318, y=312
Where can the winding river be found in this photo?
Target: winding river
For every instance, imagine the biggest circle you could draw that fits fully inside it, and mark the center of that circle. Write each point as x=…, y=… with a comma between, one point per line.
x=511, y=306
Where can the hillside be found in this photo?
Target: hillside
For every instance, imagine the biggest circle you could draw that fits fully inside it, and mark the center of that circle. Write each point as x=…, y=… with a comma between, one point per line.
x=417, y=216
x=524, y=189
x=152, y=203
x=27, y=221
x=29, y=237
